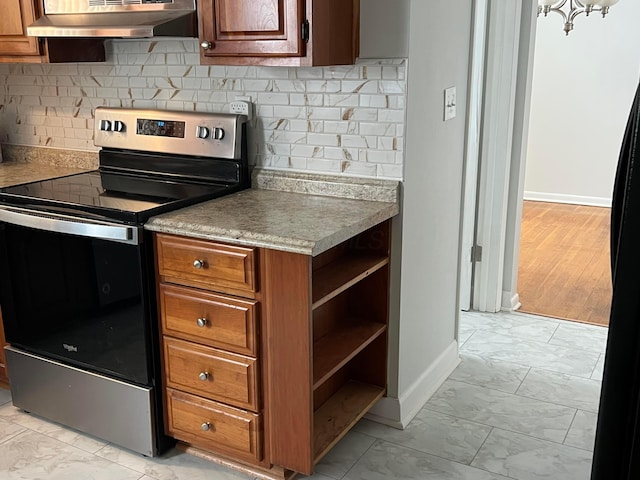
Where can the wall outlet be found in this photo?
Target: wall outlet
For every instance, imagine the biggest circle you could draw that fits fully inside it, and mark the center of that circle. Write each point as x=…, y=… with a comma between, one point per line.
x=449, y=103
x=242, y=106
x=239, y=107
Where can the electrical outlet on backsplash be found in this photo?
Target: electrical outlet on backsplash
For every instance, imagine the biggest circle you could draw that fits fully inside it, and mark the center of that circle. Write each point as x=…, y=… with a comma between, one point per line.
x=341, y=120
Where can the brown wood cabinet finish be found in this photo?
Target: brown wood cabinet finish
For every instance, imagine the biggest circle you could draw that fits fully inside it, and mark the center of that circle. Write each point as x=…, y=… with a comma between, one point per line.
x=320, y=341
x=210, y=319
x=16, y=46
x=279, y=32
x=16, y=16
x=206, y=265
x=214, y=426
x=211, y=373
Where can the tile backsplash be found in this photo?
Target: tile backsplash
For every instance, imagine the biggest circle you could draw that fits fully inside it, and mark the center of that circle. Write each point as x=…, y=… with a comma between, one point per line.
x=345, y=119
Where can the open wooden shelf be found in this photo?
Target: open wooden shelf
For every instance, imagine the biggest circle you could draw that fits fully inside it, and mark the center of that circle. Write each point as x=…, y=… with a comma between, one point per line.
x=336, y=277
x=336, y=349
x=341, y=412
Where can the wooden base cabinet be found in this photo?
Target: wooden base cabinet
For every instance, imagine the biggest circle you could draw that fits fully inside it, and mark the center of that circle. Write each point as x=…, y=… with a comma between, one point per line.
x=279, y=32
x=306, y=350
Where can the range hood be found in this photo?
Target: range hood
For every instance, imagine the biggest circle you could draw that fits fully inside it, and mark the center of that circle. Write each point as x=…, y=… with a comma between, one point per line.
x=116, y=19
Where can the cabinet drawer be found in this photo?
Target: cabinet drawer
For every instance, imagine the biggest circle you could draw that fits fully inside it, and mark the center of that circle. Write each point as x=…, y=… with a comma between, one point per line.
x=212, y=373
x=207, y=318
x=212, y=426
x=206, y=264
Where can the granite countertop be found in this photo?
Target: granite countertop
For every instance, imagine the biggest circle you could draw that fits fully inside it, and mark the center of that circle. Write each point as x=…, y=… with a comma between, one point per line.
x=30, y=164
x=14, y=173
x=293, y=221
x=293, y=212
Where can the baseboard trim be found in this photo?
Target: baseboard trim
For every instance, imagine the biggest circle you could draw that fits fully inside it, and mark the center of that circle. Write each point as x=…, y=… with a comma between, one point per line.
x=510, y=302
x=398, y=412
x=571, y=199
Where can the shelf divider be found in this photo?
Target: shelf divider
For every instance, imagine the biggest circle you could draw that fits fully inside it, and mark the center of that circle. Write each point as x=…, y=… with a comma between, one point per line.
x=336, y=277
x=341, y=412
x=336, y=349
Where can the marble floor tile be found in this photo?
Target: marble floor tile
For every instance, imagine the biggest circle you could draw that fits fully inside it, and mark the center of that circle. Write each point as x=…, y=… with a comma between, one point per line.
x=582, y=336
x=435, y=433
x=524, y=458
x=315, y=476
x=485, y=372
x=531, y=353
x=9, y=430
x=31, y=456
x=599, y=369
x=344, y=455
x=385, y=461
x=503, y=410
x=582, y=433
x=464, y=333
x=172, y=465
x=562, y=389
x=51, y=429
x=5, y=396
x=524, y=326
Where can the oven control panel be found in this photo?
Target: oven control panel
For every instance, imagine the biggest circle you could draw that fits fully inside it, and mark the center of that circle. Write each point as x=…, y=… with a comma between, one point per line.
x=181, y=133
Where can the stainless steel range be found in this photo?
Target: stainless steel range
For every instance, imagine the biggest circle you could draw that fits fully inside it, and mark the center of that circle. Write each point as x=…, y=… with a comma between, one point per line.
x=77, y=285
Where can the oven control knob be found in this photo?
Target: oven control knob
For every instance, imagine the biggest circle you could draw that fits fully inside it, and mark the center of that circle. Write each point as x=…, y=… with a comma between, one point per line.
x=118, y=126
x=205, y=426
x=198, y=264
x=105, y=125
x=202, y=322
x=218, y=133
x=202, y=132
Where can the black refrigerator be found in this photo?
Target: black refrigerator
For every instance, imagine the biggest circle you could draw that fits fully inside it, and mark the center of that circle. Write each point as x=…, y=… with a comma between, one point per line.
x=617, y=447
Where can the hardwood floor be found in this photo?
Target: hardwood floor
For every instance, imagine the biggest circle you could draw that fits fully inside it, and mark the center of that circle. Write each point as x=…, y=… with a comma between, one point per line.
x=564, y=267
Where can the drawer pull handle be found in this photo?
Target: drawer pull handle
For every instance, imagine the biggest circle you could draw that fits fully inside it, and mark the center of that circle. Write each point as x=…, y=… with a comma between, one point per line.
x=199, y=264
x=206, y=426
x=204, y=376
x=202, y=322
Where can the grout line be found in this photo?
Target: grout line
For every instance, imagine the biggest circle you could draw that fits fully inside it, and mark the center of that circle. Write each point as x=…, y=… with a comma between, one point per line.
x=522, y=381
x=569, y=429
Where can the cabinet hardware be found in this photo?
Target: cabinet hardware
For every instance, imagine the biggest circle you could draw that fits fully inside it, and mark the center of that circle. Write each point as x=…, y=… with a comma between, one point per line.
x=202, y=322
x=305, y=31
x=207, y=45
x=198, y=264
x=205, y=426
x=204, y=376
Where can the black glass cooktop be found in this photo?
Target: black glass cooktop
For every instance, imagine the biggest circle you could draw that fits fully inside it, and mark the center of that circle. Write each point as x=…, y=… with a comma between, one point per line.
x=117, y=196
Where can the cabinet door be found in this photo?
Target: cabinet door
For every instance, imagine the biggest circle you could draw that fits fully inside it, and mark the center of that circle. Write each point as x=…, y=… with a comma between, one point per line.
x=257, y=28
x=15, y=17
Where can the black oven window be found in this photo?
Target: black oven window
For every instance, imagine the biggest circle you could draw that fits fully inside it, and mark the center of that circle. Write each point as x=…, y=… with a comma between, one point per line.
x=75, y=299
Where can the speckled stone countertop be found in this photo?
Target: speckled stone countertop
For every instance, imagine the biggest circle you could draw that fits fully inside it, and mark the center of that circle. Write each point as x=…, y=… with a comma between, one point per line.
x=290, y=221
x=293, y=212
x=31, y=164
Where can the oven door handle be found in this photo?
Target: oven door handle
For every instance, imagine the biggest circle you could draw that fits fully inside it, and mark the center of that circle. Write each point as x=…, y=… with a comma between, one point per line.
x=53, y=222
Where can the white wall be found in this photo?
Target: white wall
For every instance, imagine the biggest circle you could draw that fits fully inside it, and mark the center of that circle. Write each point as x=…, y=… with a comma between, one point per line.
x=424, y=345
x=583, y=86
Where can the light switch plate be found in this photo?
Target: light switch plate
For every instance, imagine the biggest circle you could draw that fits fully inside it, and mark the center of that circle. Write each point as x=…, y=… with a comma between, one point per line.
x=449, y=103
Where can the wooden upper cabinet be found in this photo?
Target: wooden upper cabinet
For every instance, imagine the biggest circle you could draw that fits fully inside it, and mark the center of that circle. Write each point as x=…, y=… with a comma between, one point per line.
x=16, y=16
x=279, y=32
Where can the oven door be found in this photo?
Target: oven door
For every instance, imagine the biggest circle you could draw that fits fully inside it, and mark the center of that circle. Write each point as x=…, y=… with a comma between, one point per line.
x=73, y=290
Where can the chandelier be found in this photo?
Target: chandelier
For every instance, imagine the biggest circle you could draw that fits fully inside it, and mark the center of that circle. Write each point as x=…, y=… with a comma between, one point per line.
x=576, y=7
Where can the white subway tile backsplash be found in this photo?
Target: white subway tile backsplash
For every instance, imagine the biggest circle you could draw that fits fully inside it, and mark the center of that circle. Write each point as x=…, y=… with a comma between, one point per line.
x=324, y=139
x=319, y=113
x=341, y=119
